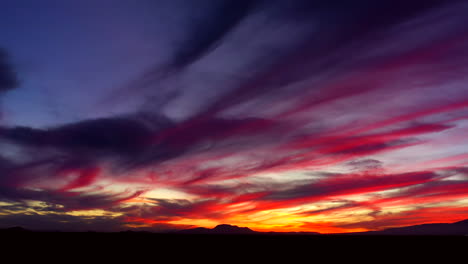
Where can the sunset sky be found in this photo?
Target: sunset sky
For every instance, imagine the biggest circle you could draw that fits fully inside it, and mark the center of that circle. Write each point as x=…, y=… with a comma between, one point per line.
x=278, y=115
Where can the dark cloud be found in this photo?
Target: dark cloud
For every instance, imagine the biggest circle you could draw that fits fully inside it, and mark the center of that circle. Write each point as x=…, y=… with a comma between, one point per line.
x=8, y=76
x=218, y=20
x=62, y=222
x=209, y=24
x=66, y=201
x=132, y=141
x=89, y=142
x=351, y=184
x=269, y=73
x=416, y=215
x=276, y=72
x=8, y=79
x=268, y=195
x=365, y=164
x=173, y=209
x=430, y=192
x=343, y=205
x=106, y=134
x=53, y=221
x=209, y=30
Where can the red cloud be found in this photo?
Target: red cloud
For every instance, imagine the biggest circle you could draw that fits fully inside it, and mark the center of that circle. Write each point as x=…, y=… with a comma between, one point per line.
x=85, y=178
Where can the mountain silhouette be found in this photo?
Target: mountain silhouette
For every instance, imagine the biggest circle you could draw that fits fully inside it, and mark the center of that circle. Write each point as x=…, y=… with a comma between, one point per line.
x=438, y=229
x=197, y=230
x=448, y=229
x=15, y=229
x=232, y=229
x=451, y=229
x=219, y=229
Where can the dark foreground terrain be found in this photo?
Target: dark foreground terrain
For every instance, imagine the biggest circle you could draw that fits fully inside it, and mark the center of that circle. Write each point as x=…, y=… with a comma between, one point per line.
x=229, y=244
x=223, y=247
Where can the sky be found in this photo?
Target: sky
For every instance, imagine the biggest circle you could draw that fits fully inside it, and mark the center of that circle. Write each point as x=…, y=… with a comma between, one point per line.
x=324, y=116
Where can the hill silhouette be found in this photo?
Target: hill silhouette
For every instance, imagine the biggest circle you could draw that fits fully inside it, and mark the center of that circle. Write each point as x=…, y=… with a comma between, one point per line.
x=233, y=240
x=15, y=229
x=439, y=229
x=223, y=229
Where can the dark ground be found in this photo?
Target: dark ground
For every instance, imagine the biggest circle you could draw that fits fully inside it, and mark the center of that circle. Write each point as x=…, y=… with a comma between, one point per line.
x=178, y=248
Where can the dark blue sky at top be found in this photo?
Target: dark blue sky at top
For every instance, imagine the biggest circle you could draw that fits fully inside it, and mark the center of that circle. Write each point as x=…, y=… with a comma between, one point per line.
x=80, y=60
x=70, y=55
